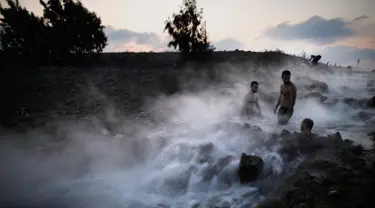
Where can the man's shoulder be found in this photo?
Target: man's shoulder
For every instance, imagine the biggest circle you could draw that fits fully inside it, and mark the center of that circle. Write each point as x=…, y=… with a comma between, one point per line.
x=256, y=96
x=293, y=86
x=248, y=95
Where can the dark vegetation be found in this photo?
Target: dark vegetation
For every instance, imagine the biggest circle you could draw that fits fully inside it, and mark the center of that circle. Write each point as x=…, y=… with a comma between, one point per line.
x=34, y=93
x=188, y=32
x=65, y=32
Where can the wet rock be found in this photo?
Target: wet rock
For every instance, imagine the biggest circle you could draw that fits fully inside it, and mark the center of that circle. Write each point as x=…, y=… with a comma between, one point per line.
x=370, y=83
x=250, y=168
x=316, y=95
x=345, y=88
x=215, y=169
x=224, y=161
x=204, y=153
x=318, y=86
x=355, y=103
x=206, y=148
x=285, y=134
x=270, y=203
x=246, y=126
x=330, y=101
x=363, y=115
x=256, y=128
x=371, y=102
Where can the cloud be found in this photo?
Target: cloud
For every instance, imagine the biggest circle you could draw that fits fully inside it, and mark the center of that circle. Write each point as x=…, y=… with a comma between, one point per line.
x=127, y=40
x=348, y=55
x=362, y=17
x=316, y=29
x=120, y=40
x=229, y=44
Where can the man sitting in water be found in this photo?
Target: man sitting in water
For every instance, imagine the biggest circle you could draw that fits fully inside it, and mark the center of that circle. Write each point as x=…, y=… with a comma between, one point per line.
x=287, y=98
x=306, y=126
x=251, y=101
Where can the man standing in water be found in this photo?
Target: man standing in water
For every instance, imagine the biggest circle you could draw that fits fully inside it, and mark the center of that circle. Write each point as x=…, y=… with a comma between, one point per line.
x=251, y=101
x=287, y=99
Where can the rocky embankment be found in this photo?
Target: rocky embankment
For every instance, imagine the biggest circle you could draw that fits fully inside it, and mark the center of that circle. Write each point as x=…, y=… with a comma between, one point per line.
x=334, y=172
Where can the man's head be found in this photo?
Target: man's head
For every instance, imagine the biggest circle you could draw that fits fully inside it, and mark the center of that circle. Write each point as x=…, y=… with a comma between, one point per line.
x=285, y=76
x=254, y=86
x=306, y=125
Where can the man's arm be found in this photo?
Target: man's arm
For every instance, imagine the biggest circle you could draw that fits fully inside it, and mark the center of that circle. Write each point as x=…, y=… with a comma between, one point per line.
x=257, y=104
x=293, y=96
x=278, y=100
x=244, y=103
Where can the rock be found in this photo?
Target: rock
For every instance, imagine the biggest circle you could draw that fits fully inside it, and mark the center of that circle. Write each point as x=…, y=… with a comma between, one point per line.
x=370, y=83
x=250, y=168
x=356, y=103
x=204, y=153
x=206, y=148
x=345, y=88
x=215, y=169
x=246, y=126
x=319, y=86
x=371, y=102
x=285, y=134
x=256, y=128
x=330, y=101
x=336, y=139
x=363, y=115
x=316, y=95
x=270, y=203
x=224, y=161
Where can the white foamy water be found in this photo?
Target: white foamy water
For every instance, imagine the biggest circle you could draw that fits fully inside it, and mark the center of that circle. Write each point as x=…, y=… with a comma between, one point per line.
x=174, y=169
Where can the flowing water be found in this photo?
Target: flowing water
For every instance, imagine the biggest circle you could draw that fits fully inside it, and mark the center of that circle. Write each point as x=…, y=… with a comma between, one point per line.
x=171, y=172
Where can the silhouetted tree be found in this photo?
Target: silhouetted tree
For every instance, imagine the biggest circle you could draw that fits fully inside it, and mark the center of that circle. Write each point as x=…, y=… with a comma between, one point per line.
x=188, y=31
x=72, y=28
x=66, y=27
x=22, y=31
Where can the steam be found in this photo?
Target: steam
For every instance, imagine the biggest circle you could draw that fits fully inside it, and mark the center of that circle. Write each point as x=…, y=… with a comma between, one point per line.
x=154, y=161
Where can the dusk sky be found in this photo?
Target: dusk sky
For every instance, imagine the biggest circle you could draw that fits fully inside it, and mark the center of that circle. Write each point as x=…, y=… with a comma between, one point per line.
x=340, y=30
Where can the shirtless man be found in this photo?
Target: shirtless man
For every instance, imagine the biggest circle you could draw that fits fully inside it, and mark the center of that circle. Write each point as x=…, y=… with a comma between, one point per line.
x=250, y=105
x=287, y=99
x=306, y=126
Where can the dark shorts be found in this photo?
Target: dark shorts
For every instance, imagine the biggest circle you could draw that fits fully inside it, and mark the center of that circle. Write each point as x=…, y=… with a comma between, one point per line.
x=283, y=115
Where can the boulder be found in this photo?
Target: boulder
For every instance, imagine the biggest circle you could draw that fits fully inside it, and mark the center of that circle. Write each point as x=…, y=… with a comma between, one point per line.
x=250, y=168
x=330, y=101
x=371, y=102
x=285, y=134
x=370, y=83
x=204, y=153
x=315, y=95
x=318, y=86
x=363, y=115
x=356, y=103
x=214, y=169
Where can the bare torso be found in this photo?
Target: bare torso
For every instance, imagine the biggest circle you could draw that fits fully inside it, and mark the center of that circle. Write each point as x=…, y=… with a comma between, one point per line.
x=250, y=101
x=287, y=95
